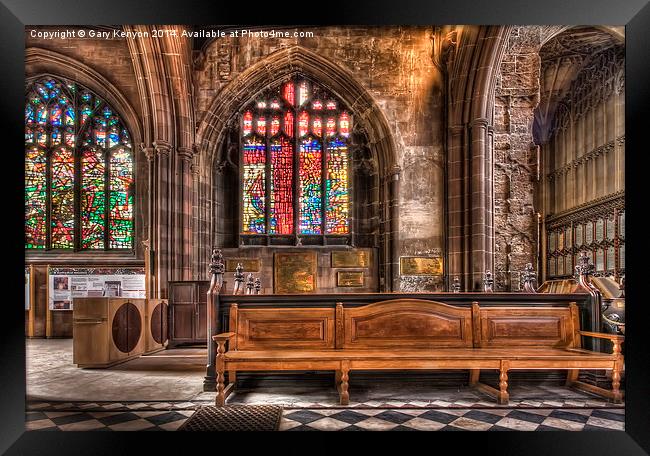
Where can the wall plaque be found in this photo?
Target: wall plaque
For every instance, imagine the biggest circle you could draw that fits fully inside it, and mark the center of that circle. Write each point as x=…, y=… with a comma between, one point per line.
x=295, y=272
x=420, y=266
x=249, y=264
x=351, y=259
x=349, y=279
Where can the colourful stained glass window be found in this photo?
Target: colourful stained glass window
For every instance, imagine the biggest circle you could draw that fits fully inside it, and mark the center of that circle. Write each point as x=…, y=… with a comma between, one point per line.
x=62, y=199
x=336, y=187
x=120, y=201
x=254, y=162
x=93, y=199
x=248, y=123
x=261, y=126
x=275, y=125
x=344, y=124
x=317, y=126
x=78, y=170
x=303, y=92
x=330, y=126
x=281, y=208
x=303, y=123
x=288, y=92
x=35, y=198
x=309, y=171
x=301, y=184
x=288, y=123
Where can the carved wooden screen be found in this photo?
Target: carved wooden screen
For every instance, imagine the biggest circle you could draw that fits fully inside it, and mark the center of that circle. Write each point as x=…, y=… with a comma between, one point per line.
x=601, y=234
x=78, y=170
x=295, y=166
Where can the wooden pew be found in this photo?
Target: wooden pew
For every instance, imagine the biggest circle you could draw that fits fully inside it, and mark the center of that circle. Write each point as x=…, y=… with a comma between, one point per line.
x=412, y=334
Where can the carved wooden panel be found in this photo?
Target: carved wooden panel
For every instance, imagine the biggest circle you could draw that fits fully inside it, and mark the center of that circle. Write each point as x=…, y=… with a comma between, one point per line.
x=261, y=329
x=503, y=327
x=410, y=323
x=126, y=327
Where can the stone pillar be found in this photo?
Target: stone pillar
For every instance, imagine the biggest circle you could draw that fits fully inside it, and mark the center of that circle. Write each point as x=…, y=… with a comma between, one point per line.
x=481, y=259
x=392, y=229
x=161, y=210
x=150, y=251
x=184, y=211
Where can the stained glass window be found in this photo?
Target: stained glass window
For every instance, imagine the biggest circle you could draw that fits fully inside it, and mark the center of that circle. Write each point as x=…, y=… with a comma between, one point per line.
x=295, y=162
x=78, y=170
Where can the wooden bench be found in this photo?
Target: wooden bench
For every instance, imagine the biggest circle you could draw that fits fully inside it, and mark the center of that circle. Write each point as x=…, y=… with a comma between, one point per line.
x=408, y=334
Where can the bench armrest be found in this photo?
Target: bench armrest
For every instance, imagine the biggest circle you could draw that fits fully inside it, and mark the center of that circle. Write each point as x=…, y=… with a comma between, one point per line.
x=615, y=338
x=223, y=337
x=599, y=335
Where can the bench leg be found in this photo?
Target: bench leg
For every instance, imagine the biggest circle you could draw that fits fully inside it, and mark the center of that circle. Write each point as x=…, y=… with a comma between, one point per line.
x=232, y=376
x=503, y=396
x=474, y=375
x=337, y=380
x=343, y=391
x=220, y=366
x=572, y=376
x=617, y=396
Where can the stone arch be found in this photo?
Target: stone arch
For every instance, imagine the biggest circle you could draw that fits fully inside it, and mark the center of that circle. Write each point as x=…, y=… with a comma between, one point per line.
x=472, y=75
x=43, y=62
x=282, y=64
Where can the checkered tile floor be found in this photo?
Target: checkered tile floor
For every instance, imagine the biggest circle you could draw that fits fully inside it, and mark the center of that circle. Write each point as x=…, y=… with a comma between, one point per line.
x=367, y=419
x=369, y=416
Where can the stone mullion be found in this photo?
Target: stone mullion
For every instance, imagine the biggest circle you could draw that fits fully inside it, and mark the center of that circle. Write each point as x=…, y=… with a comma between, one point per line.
x=185, y=209
x=455, y=205
x=161, y=208
x=478, y=211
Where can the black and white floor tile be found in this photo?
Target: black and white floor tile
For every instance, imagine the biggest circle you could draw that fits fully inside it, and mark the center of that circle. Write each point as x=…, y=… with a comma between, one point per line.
x=346, y=419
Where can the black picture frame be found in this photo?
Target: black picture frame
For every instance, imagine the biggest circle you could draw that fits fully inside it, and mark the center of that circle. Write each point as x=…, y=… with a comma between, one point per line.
x=635, y=14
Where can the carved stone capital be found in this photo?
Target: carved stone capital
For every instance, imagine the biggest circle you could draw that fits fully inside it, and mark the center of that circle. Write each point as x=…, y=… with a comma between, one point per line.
x=185, y=153
x=480, y=122
x=163, y=148
x=149, y=152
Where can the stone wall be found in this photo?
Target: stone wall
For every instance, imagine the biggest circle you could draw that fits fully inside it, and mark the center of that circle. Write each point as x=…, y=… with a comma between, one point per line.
x=515, y=157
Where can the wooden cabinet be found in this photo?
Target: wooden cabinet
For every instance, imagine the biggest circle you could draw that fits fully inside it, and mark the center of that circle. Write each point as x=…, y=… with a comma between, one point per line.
x=188, y=312
x=107, y=331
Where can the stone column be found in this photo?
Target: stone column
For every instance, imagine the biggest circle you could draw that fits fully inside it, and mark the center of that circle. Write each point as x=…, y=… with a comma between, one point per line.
x=480, y=242
x=161, y=210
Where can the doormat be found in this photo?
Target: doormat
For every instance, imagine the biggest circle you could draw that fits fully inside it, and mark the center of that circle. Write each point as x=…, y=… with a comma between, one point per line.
x=234, y=418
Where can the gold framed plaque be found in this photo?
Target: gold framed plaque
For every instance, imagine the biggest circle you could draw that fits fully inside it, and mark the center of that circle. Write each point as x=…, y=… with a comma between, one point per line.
x=351, y=259
x=295, y=272
x=420, y=266
x=349, y=279
x=249, y=264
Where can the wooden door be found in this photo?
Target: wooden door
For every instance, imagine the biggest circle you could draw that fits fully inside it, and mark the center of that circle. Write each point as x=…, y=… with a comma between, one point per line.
x=182, y=312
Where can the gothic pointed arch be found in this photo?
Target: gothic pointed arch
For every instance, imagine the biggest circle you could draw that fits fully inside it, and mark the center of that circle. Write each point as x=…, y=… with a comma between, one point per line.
x=213, y=136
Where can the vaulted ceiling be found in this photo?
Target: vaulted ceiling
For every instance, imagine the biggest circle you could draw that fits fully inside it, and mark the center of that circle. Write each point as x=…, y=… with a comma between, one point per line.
x=562, y=58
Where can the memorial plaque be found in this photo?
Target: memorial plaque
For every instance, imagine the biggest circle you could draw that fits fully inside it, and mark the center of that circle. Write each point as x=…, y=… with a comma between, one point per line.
x=589, y=233
x=349, y=279
x=579, y=235
x=621, y=257
x=610, y=259
x=249, y=264
x=621, y=225
x=351, y=259
x=600, y=260
x=600, y=229
x=295, y=272
x=610, y=229
x=420, y=266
